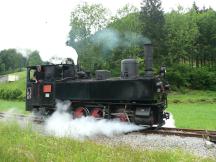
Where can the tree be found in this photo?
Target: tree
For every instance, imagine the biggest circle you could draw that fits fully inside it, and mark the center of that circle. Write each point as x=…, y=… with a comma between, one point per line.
x=34, y=59
x=100, y=39
x=11, y=60
x=124, y=11
x=152, y=18
x=85, y=20
x=130, y=42
x=195, y=8
x=2, y=68
x=206, y=41
x=182, y=33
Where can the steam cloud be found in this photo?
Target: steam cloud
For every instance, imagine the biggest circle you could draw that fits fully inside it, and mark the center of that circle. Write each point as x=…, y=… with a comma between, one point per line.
x=12, y=115
x=61, y=124
x=170, y=123
x=111, y=38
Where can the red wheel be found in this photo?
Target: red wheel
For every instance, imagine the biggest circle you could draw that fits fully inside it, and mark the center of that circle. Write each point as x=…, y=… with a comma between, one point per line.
x=79, y=112
x=123, y=117
x=97, y=112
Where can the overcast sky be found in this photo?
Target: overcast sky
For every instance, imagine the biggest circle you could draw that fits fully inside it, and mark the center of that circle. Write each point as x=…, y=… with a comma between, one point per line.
x=43, y=25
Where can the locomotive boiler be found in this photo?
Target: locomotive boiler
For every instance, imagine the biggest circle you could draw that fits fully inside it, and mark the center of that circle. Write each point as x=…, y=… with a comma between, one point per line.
x=131, y=98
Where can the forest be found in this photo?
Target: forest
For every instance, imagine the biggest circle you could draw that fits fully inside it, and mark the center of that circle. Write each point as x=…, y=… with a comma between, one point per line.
x=12, y=60
x=184, y=40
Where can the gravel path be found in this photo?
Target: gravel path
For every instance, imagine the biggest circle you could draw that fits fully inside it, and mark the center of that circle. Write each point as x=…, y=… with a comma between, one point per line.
x=192, y=145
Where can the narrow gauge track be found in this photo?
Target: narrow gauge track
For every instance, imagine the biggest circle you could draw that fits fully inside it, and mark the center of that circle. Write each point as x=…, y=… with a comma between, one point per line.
x=21, y=117
x=205, y=134
x=183, y=132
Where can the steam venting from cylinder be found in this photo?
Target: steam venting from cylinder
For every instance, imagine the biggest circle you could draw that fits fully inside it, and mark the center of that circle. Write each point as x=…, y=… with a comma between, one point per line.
x=148, y=55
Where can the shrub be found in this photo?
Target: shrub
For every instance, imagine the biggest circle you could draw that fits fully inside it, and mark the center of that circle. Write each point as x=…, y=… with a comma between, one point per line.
x=194, y=78
x=202, y=78
x=178, y=76
x=10, y=94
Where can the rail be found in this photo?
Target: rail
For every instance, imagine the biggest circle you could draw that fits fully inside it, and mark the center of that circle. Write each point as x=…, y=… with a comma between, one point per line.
x=21, y=117
x=183, y=132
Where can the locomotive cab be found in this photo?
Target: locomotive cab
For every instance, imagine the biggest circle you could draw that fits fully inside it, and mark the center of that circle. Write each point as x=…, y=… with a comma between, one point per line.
x=41, y=93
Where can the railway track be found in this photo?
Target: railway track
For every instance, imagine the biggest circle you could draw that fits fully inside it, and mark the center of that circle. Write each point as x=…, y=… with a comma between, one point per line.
x=21, y=117
x=183, y=132
x=198, y=133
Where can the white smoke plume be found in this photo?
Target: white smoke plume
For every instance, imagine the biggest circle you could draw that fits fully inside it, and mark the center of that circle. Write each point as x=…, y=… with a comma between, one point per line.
x=110, y=38
x=61, y=124
x=9, y=114
x=170, y=123
x=14, y=115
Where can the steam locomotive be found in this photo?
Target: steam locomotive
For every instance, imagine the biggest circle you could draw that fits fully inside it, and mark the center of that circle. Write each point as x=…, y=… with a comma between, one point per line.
x=131, y=98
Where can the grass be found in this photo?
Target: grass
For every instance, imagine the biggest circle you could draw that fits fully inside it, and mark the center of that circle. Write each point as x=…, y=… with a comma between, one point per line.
x=14, y=90
x=194, y=115
x=18, y=144
x=17, y=105
x=20, y=84
x=192, y=96
x=193, y=109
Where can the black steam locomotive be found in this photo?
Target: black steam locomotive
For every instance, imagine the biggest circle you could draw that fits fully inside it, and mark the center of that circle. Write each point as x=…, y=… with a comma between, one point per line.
x=131, y=98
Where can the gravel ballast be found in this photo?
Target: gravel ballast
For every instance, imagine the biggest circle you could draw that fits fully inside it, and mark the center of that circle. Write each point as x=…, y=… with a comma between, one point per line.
x=196, y=146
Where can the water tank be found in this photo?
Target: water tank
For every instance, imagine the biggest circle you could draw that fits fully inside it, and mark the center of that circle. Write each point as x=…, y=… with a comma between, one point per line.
x=102, y=74
x=129, y=69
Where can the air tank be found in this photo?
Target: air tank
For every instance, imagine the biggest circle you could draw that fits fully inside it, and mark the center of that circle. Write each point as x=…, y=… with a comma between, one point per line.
x=129, y=69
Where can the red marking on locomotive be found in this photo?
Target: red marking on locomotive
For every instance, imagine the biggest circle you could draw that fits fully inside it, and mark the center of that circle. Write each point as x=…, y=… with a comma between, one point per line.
x=47, y=88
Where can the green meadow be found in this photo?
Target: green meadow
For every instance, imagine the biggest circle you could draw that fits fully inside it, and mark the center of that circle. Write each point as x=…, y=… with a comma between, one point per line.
x=25, y=145
x=194, y=115
x=193, y=109
x=18, y=106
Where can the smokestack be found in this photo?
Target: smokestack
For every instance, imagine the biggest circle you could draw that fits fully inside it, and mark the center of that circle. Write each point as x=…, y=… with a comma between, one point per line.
x=148, y=54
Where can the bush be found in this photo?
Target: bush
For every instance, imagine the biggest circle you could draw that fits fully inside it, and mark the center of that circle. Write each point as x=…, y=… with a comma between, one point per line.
x=203, y=79
x=178, y=76
x=10, y=94
x=193, y=78
x=21, y=97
